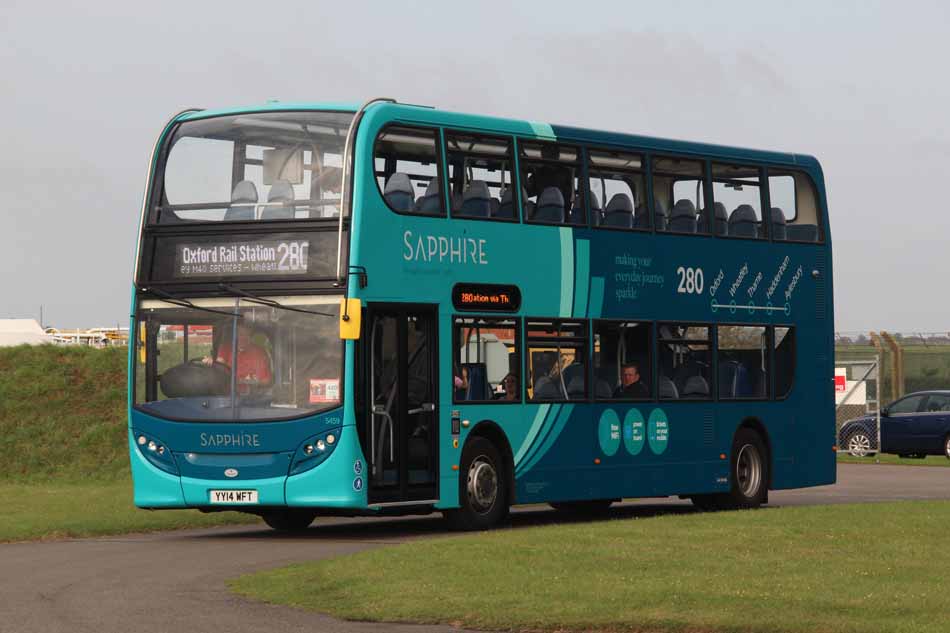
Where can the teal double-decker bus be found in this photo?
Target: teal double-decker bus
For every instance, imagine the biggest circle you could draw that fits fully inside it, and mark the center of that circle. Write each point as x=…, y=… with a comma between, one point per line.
x=392, y=309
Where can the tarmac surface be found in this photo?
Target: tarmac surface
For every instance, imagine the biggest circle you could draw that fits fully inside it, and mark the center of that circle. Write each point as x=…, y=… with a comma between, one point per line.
x=175, y=581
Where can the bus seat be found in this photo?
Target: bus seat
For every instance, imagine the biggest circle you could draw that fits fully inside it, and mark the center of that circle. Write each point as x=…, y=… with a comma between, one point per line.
x=281, y=192
x=506, y=207
x=399, y=193
x=495, y=205
x=667, y=388
x=743, y=222
x=431, y=200
x=602, y=389
x=802, y=232
x=575, y=388
x=476, y=200
x=720, y=219
x=456, y=201
x=243, y=200
x=778, y=224
x=683, y=217
x=572, y=371
x=696, y=387
x=576, y=215
x=547, y=388
x=478, y=387
x=596, y=212
x=550, y=206
x=619, y=211
x=660, y=216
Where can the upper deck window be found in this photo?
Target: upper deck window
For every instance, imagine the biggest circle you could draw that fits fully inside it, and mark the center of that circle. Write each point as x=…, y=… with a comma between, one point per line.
x=794, y=213
x=679, y=198
x=737, y=194
x=253, y=167
x=481, y=176
x=406, y=164
x=551, y=177
x=617, y=190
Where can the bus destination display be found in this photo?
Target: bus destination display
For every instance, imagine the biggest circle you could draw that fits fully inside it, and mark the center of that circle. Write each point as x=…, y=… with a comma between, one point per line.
x=257, y=257
x=486, y=297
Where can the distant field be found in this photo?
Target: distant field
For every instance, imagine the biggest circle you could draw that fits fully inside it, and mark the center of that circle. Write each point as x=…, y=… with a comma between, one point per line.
x=877, y=568
x=64, y=465
x=925, y=366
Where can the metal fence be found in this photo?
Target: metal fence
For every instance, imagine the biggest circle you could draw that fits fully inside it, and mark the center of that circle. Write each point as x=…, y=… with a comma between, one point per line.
x=857, y=423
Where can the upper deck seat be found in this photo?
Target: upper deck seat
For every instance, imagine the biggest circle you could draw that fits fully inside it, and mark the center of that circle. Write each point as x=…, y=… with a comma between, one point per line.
x=506, y=207
x=743, y=222
x=476, y=200
x=778, y=224
x=243, y=202
x=281, y=193
x=720, y=219
x=619, y=211
x=550, y=206
x=596, y=212
x=431, y=200
x=399, y=193
x=683, y=217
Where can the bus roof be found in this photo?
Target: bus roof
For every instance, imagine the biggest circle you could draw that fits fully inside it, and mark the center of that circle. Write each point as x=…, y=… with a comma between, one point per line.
x=432, y=116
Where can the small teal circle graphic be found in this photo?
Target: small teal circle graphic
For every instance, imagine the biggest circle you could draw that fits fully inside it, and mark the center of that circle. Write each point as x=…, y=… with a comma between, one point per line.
x=658, y=431
x=732, y=307
x=752, y=307
x=608, y=432
x=714, y=306
x=634, y=431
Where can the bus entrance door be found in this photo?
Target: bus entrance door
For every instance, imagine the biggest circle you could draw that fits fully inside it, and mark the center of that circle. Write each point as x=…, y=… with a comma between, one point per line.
x=402, y=424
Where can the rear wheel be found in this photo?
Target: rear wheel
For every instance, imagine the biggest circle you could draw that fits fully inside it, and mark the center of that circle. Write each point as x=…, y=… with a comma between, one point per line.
x=749, y=476
x=290, y=520
x=483, y=488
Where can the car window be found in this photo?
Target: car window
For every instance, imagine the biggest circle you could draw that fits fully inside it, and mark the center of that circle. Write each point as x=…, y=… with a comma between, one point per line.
x=937, y=402
x=910, y=404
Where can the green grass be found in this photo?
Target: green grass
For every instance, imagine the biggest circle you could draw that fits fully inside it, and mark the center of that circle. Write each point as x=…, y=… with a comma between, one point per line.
x=64, y=465
x=867, y=569
x=57, y=510
x=884, y=458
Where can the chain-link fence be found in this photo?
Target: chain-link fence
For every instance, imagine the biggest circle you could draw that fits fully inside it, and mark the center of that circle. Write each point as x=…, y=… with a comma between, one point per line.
x=857, y=412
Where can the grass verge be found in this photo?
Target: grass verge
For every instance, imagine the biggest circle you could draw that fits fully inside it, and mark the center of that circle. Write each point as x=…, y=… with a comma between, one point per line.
x=884, y=458
x=56, y=510
x=857, y=568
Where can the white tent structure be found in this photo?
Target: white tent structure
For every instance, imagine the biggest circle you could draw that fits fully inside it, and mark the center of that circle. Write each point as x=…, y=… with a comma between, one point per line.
x=22, y=331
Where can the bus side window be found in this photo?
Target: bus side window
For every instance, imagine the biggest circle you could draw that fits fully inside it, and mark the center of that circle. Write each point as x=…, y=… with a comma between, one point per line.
x=784, y=360
x=481, y=177
x=557, y=360
x=622, y=363
x=617, y=190
x=679, y=199
x=550, y=175
x=486, y=365
x=685, y=367
x=794, y=207
x=406, y=164
x=736, y=188
x=743, y=357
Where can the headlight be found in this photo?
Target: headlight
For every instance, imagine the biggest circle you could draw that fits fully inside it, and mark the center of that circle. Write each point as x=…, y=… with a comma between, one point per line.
x=156, y=452
x=313, y=451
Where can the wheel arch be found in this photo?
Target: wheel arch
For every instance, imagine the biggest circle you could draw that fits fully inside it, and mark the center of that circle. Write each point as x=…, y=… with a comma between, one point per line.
x=756, y=425
x=491, y=431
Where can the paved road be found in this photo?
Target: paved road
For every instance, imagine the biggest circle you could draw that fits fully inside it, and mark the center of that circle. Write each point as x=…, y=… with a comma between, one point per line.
x=176, y=581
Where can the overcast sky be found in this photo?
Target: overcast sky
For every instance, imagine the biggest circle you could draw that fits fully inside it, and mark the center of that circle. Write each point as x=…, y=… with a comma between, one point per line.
x=861, y=85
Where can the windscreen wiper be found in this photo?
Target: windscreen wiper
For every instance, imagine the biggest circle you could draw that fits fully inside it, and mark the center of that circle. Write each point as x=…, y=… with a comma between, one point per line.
x=185, y=303
x=270, y=302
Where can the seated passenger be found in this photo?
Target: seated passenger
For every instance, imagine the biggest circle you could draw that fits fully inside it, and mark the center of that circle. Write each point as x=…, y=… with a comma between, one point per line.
x=510, y=384
x=631, y=385
x=253, y=363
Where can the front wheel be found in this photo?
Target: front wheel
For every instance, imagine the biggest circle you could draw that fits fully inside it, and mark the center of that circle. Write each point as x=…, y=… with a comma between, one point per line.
x=483, y=488
x=859, y=444
x=289, y=520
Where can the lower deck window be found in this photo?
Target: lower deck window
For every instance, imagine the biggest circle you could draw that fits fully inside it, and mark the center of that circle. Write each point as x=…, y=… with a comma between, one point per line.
x=684, y=355
x=743, y=361
x=557, y=360
x=486, y=365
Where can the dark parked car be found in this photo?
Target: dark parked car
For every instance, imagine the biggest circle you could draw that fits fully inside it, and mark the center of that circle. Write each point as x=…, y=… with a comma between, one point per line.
x=916, y=425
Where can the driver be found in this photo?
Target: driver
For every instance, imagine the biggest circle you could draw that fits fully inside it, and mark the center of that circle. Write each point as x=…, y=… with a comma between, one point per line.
x=253, y=364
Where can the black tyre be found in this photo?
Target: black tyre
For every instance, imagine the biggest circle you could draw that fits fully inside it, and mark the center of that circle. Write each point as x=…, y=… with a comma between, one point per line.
x=749, y=476
x=483, y=488
x=858, y=443
x=593, y=507
x=707, y=503
x=290, y=520
x=946, y=446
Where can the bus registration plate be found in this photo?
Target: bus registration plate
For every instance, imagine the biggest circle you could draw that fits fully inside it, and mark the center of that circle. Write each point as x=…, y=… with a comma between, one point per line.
x=234, y=496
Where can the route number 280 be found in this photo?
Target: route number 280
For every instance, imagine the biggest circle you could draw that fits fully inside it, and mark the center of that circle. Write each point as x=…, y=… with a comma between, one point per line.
x=691, y=281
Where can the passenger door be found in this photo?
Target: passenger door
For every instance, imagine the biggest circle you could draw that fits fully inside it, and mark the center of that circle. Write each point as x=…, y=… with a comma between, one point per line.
x=899, y=426
x=932, y=424
x=401, y=442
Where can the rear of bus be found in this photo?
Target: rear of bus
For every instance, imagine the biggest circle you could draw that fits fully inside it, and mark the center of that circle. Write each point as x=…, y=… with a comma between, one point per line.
x=238, y=373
